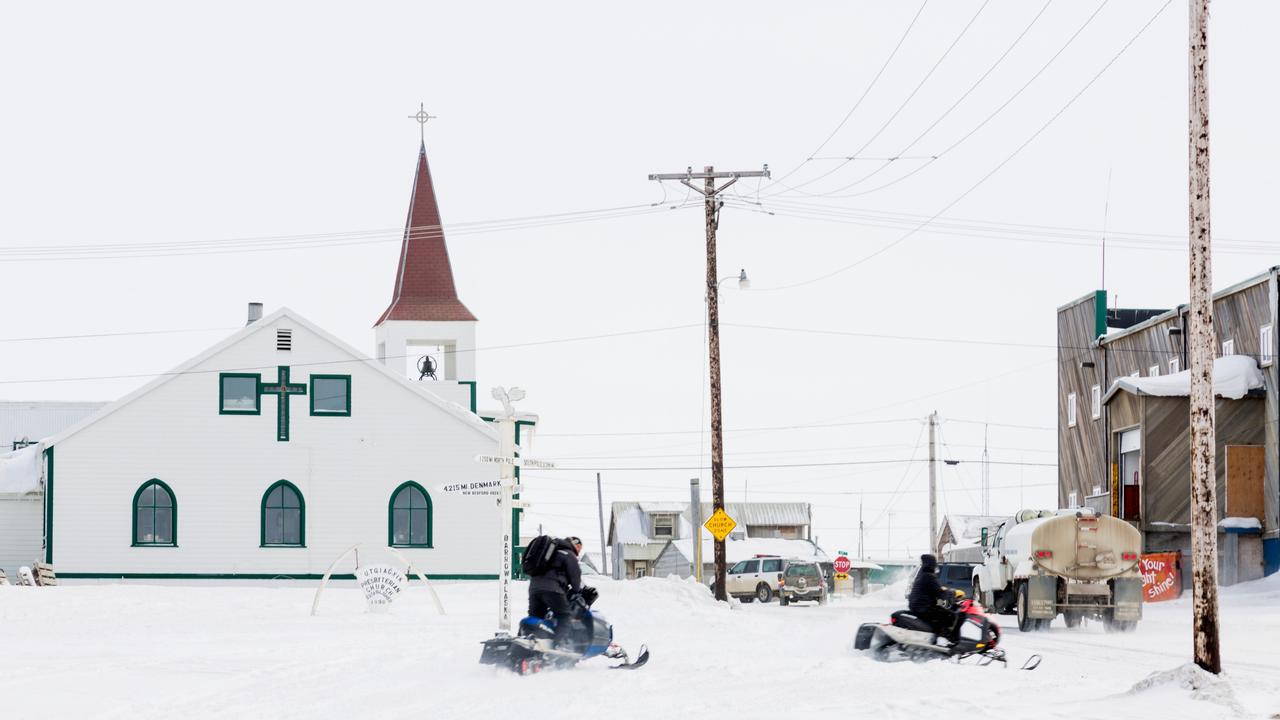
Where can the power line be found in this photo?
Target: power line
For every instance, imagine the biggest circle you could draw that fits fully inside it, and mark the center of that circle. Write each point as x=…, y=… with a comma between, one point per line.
x=993, y=171
x=843, y=463
x=893, y=116
x=861, y=97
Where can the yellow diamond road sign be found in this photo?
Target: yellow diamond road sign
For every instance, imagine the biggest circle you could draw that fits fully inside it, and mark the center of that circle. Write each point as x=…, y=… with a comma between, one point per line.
x=720, y=524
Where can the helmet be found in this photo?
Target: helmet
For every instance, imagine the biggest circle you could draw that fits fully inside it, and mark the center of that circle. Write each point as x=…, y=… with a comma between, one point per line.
x=574, y=540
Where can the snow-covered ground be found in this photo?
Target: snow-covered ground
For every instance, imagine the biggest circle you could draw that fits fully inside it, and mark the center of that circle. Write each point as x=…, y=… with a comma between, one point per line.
x=195, y=651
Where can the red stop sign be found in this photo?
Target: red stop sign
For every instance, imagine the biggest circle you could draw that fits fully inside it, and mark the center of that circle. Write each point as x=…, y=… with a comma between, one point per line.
x=842, y=564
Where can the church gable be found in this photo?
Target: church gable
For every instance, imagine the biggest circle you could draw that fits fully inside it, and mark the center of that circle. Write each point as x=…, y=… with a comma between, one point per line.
x=283, y=368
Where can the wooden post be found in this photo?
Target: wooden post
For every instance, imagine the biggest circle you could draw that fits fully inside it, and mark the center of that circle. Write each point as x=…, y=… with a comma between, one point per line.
x=713, y=348
x=934, y=546
x=1204, y=502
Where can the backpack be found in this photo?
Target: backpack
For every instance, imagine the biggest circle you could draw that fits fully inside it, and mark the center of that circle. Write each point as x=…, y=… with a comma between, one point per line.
x=538, y=556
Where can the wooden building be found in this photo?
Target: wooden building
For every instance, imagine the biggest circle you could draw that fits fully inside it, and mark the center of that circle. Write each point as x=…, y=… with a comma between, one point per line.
x=1123, y=429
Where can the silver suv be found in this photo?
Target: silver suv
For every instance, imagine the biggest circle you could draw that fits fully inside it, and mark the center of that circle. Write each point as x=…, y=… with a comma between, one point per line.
x=754, y=579
x=802, y=580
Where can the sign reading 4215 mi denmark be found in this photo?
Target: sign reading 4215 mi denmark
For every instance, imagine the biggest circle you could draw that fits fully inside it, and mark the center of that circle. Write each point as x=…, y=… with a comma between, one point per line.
x=720, y=524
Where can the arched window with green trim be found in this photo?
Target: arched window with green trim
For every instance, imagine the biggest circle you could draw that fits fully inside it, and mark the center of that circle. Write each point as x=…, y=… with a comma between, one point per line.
x=284, y=516
x=155, y=515
x=409, y=517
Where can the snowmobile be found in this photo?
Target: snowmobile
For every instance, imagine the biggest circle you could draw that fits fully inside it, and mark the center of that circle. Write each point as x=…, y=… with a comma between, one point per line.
x=531, y=651
x=907, y=637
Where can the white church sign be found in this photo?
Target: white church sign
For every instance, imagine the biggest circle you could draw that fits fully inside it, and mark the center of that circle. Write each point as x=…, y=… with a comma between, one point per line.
x=381, y=584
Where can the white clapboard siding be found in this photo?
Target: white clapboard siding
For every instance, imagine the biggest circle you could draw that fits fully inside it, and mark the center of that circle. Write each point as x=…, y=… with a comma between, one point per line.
x=219, y=466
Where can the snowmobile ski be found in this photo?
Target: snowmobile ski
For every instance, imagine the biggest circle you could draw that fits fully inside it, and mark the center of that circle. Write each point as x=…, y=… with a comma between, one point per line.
x=639, y=662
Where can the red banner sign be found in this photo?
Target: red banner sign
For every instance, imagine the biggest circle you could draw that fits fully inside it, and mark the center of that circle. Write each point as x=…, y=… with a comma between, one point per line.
x=1161, y=576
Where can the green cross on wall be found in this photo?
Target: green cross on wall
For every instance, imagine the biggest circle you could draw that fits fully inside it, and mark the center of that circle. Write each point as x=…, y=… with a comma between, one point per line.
x=282, y=390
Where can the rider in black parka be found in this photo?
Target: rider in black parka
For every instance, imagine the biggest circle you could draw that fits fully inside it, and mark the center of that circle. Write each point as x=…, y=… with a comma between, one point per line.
x=926, y=591
x=551, y=590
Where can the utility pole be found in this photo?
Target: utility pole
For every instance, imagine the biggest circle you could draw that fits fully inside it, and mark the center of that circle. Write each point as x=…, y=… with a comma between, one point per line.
x=1204, y=501
x=861, y=533
x=711, y=193
x=695, y=515
x=933, y=484
x=604, y=557
x=986, y=475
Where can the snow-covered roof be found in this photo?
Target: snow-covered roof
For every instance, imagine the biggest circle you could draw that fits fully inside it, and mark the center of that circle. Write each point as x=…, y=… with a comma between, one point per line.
x=20, y=470
x=1233, y=377
x=462, y=414
x=736, y=550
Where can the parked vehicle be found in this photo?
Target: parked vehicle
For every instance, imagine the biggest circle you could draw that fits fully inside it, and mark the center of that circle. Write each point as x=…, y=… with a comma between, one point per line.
x=952, y=575
x=802, y=580
x=755, y=579
x=1074, y=562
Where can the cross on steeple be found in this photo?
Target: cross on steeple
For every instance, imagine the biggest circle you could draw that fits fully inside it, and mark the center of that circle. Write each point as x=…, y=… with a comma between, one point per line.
x=422, y=117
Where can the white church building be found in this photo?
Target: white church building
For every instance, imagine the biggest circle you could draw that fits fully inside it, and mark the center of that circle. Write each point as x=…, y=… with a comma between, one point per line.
x=271, y=453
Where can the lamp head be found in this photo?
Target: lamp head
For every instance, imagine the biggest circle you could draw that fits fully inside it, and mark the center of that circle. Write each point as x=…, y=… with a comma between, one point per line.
x=744, y=283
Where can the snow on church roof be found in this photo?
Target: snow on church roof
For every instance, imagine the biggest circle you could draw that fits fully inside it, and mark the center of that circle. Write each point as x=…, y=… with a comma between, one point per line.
x=1233, y=377
x=460, y=413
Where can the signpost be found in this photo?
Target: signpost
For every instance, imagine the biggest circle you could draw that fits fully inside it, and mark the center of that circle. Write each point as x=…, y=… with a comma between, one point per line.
x=507, y=463
x=841, y=566
x=720, y=524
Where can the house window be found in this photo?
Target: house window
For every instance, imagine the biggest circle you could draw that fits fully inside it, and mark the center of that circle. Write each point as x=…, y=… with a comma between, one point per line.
x=284, y=516
x=664, y=526
x=1228, y=347
x=1154, y=371
x=1174, y=366
x=239, y=393
x=1072, y=500
x=1071, y=410
x=642, y=568
x=155, y=515
x=1095, y=401
x=1266, y=343
x=409, y=517
x=331, y=395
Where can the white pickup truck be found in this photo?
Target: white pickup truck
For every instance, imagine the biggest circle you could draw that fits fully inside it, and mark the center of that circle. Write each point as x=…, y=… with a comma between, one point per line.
x=1074, y=562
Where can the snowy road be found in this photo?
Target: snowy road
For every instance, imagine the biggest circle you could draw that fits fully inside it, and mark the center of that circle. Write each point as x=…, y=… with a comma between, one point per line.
x=136, y=651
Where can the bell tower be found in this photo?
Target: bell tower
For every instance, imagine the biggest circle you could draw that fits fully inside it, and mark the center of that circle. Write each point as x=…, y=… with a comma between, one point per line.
x=425, y=317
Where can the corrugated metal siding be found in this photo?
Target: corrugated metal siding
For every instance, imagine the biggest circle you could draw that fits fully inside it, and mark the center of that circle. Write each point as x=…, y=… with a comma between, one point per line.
x=672, y=562
x=38, y=420
x=21, y=526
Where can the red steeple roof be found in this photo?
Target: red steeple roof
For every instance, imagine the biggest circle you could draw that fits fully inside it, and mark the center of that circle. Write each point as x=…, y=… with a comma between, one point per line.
x=424, y=278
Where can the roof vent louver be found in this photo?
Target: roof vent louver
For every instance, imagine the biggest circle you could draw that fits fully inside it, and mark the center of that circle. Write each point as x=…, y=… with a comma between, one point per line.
x=284, y=339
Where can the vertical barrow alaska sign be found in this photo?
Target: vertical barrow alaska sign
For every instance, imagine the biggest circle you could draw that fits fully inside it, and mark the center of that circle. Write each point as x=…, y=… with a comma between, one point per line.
x=381, y=584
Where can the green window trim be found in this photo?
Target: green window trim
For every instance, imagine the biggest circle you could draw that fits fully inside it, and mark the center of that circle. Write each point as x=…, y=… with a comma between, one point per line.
x=257, y=394
x=330, y=413
x=391, y=517
x=302, y=517
x=133, y=513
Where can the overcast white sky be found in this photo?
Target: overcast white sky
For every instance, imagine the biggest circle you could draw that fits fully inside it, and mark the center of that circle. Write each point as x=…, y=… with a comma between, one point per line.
x=163, y=123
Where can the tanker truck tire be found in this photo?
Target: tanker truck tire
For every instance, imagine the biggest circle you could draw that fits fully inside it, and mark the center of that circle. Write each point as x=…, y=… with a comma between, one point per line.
x=1025, y=622
x=1072, y=618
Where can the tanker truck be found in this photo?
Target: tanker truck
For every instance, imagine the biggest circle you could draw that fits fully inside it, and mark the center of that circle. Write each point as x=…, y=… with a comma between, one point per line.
x=1075, y=562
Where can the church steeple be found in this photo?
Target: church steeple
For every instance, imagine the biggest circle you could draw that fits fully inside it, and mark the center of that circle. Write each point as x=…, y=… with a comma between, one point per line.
x=424, y=289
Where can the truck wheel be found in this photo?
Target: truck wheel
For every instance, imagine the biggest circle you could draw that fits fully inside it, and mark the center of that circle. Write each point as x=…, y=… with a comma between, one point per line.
x=1025, y=622
x=977, y=594
x=782, y=600
x=1072, y=618
x=764, y=593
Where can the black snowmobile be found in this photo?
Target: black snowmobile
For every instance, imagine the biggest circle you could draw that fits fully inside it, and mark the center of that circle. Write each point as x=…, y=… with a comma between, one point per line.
x=530, y=651
x=907, y=637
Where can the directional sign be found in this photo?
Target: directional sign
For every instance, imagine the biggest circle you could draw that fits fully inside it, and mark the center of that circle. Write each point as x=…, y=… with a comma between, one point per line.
x=841, y=565
x=842, y=576
x=720, y=524
x=515, y=462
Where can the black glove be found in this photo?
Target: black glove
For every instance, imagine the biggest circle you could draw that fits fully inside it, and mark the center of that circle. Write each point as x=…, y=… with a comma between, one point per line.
x=589, y=595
